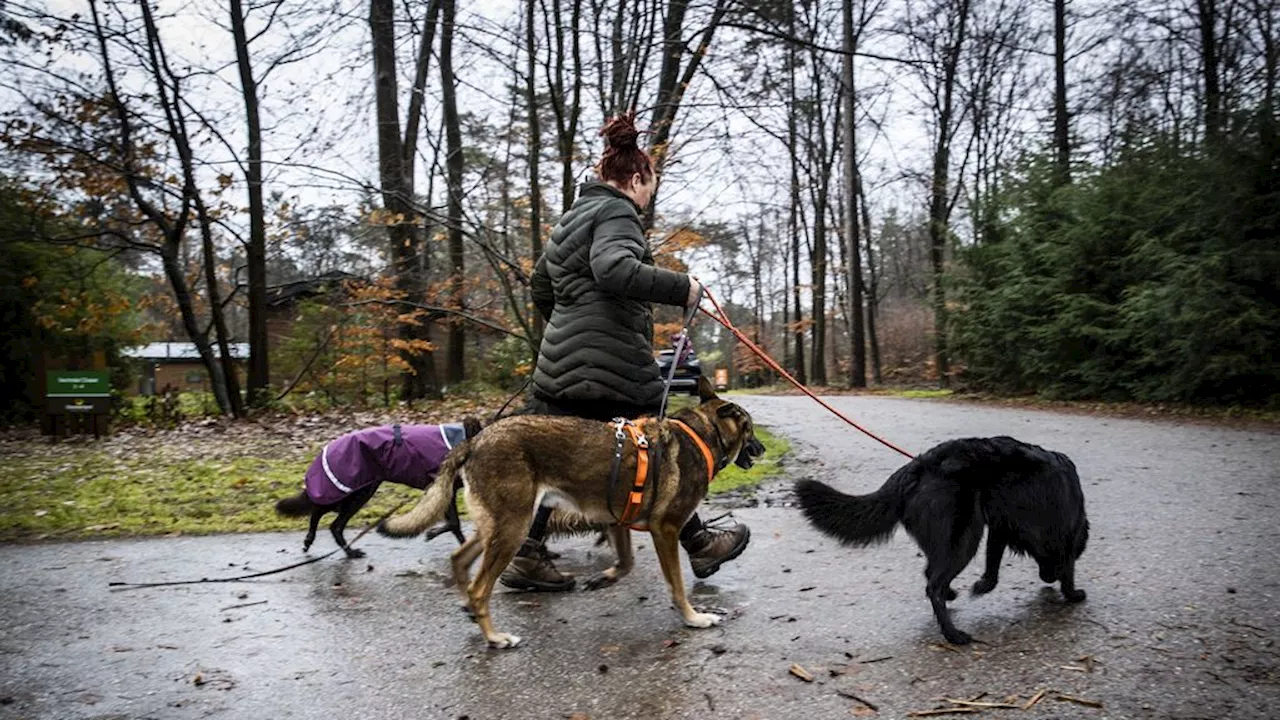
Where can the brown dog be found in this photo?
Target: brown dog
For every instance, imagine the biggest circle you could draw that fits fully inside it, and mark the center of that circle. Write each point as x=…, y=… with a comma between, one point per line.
x=508, y=466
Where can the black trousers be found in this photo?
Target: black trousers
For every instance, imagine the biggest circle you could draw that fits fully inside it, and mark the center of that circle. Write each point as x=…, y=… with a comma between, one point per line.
x=601, y=410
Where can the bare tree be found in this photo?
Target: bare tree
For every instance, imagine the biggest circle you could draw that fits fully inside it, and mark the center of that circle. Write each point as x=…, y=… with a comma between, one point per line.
x=1061, y=120
x=410, y=259
x=456, y=368
x=674, y=78
x=535, y=149
x=566, y=103
x=854, y=198
x=936, y=36
x=256, y=249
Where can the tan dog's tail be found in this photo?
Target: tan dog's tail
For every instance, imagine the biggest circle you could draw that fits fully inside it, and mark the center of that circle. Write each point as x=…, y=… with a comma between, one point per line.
x=431, y=508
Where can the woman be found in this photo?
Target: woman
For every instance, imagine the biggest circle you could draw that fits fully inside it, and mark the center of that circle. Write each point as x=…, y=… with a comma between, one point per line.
x=593, y=286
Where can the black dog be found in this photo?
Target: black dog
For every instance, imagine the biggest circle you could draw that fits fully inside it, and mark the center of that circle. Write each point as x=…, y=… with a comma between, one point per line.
x=366, y=459
x=1029, y=498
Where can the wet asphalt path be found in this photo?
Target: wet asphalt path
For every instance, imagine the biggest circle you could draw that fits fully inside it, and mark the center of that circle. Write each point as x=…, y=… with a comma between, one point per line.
x=1182, y=572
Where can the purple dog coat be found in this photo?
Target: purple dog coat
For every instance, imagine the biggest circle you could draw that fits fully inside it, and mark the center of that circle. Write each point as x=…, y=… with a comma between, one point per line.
x=406, y=454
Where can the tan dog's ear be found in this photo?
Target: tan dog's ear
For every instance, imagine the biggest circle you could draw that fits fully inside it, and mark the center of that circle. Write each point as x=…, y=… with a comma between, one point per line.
x=706, y=391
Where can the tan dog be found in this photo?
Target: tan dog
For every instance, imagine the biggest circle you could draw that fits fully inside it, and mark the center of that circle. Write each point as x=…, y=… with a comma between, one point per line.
x=508, y=466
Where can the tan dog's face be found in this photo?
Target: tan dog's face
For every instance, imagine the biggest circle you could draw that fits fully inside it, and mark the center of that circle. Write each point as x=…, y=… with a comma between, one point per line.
x=733, y=423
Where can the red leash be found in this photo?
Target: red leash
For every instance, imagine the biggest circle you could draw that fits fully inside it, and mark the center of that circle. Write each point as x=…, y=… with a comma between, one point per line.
x=722, y=318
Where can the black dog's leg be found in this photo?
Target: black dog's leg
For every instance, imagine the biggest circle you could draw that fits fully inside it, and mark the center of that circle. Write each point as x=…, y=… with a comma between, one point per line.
x=1068, y=580
x=948, y=552
x=347, y=509
x=452, y=523
x=939, y=576
x=317, y=512
x=991, y=575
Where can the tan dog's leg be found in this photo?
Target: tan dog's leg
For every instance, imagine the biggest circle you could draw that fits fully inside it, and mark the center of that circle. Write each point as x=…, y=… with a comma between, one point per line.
x=500, y=547
x=666, y=541
x=620, y=539
x=465, y=556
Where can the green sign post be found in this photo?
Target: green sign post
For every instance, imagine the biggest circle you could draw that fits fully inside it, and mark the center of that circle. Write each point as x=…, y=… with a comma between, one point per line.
x=81, y=394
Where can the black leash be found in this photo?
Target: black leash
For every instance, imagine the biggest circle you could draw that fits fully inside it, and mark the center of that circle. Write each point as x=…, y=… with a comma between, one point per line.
x=675, y=360
x=498, y=415
x=655, y=448
x=264, y=573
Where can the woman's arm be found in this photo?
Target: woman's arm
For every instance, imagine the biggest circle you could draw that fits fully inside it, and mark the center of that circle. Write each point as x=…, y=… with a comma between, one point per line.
x=544, y=297
x=617, y=252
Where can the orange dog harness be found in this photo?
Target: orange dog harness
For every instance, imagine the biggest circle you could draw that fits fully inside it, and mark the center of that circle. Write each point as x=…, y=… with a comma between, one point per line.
x=635, y=498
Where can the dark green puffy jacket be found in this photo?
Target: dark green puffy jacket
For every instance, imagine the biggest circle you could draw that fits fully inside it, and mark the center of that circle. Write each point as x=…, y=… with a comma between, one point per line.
x=593, y=286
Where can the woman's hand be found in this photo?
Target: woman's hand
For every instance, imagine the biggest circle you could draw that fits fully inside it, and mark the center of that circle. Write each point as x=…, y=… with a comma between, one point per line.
x=695, y=293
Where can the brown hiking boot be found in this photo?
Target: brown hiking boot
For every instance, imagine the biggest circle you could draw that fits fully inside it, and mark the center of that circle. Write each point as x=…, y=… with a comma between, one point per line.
x=712, y=547
x=532, y=570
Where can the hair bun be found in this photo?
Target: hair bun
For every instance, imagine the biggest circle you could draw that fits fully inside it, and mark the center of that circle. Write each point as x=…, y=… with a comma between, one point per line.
x=620, y=132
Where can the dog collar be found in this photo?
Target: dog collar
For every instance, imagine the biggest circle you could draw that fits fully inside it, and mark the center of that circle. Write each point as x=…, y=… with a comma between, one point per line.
x=702, y=445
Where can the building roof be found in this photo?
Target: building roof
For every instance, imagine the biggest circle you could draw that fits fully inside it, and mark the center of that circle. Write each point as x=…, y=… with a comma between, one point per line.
x=291, y=292
x=179, y=351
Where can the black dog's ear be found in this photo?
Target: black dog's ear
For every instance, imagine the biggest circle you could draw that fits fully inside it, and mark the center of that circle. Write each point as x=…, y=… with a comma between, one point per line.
x=706, y=391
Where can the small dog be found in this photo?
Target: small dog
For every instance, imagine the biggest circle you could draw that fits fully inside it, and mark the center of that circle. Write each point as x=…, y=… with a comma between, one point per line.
x=508, y=466
x=1029, y=499
x=349, y=470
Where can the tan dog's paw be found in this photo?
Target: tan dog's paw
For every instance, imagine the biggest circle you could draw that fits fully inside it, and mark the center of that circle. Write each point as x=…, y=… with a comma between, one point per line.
x=503, y=641
x=702, y=620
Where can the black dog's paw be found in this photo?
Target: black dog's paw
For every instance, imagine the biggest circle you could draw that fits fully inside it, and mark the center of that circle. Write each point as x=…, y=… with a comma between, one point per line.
x=306, y=546
x=354, y=554
x=1074, y=596
x=957, y=637
x=598, y=581
x=951, y=594
x=984, y=586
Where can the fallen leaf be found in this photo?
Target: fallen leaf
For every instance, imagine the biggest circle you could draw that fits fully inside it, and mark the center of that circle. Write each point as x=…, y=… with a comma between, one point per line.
x=801, y=673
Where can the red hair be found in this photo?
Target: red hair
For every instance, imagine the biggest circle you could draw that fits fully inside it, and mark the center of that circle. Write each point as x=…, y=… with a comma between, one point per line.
x=622, y=156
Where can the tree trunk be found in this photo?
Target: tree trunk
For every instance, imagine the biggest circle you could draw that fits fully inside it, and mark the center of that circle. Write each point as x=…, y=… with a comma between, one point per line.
x=535, y=152
x=256, y=251
x=853, y=258
x=873, y=288
x=940, y=200
x=230, y=378
x=1061, y=120
x=793, y=220
x=419, y=381
x=456, y=369
x=174, y=271
x=1210, y=60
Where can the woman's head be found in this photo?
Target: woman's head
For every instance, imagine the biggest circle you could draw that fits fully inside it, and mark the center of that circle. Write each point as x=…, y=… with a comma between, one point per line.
x=624, y=165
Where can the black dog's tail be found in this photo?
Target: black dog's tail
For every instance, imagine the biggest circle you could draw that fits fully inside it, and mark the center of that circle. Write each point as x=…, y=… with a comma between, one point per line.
x=295, y=506
x=855, y=519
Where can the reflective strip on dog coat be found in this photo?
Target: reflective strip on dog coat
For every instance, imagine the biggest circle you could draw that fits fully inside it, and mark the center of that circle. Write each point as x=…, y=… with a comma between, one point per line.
x=406, y=454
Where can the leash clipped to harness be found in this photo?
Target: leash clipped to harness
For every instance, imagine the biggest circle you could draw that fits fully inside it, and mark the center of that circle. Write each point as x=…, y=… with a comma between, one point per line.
x=624, y=428
x=721, y=317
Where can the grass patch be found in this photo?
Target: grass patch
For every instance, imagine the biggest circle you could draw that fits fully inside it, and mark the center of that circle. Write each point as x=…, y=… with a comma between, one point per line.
x=77, y=492
x=920, y=393
x=735, y=478
x=92, y=494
